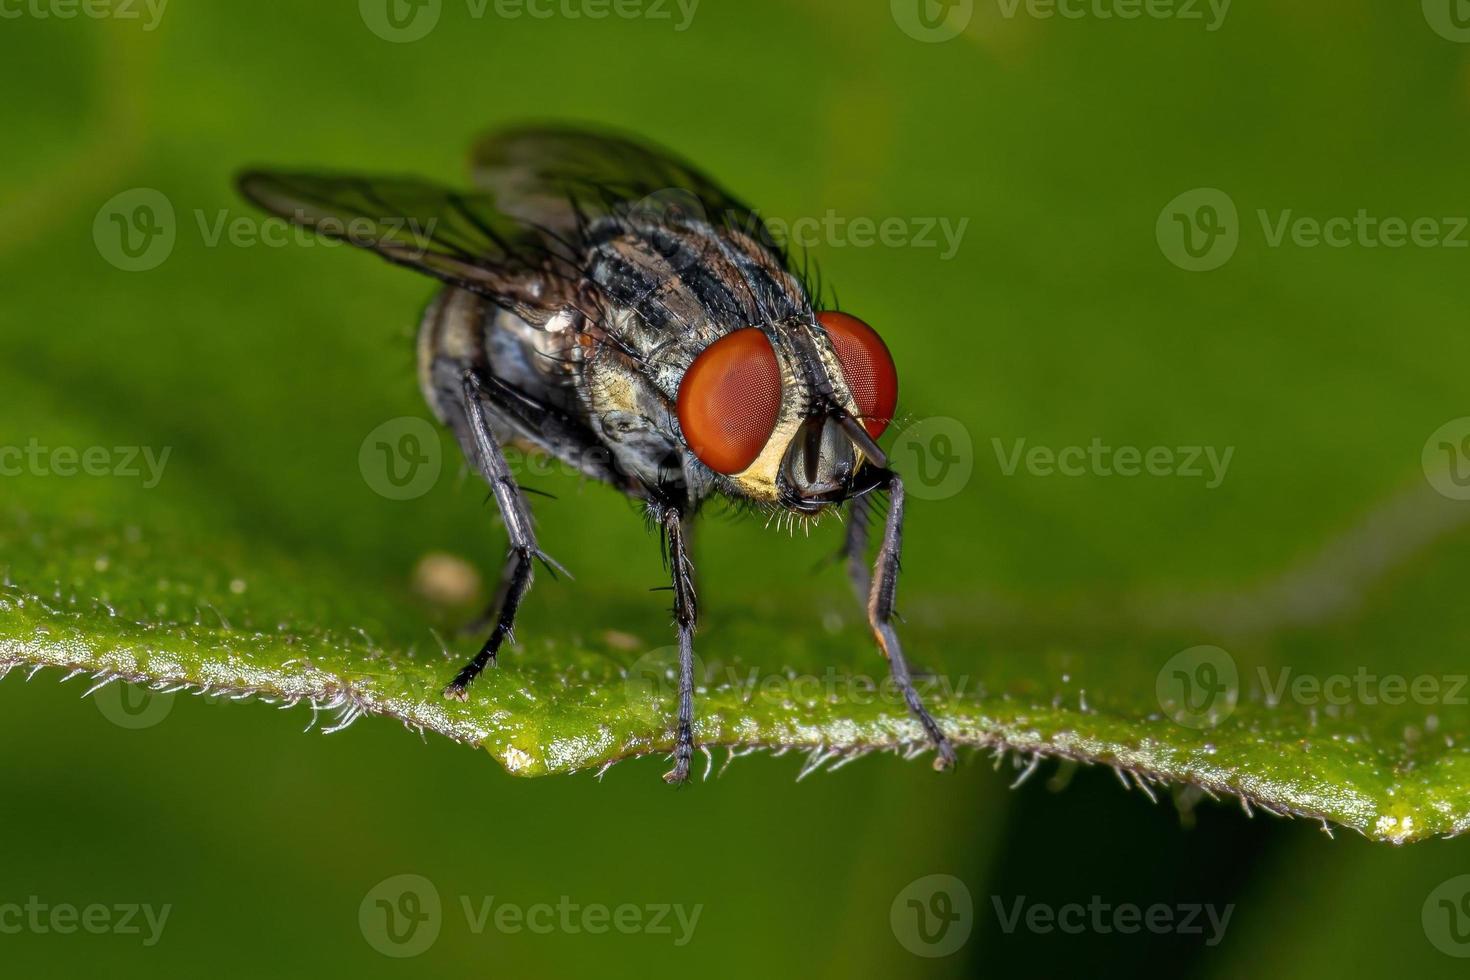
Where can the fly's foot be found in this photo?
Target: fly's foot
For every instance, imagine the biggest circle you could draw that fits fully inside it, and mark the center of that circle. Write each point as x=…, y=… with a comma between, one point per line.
x=944, y=757
x=680, y=773
x=683, y=752
x=459, y=688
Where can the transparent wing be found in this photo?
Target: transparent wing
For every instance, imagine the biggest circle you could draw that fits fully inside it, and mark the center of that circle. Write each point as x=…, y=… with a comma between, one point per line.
x=462, y=239
x=557, y=178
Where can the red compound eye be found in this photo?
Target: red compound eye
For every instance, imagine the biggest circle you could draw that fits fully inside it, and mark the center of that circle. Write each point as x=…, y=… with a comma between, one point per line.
x=867, y=366
x=730, y=400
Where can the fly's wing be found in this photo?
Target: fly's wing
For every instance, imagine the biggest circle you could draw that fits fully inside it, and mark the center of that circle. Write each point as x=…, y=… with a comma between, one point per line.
x=559, y=178
x=689, y=250
x=463, y=239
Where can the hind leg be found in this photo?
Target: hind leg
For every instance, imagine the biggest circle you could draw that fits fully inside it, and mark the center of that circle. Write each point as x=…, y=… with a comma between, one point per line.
x=472, y=427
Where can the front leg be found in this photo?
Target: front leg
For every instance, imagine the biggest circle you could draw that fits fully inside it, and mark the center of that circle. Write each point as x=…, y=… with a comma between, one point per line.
x=881, y=595
x=674, y=528
x=854, y=554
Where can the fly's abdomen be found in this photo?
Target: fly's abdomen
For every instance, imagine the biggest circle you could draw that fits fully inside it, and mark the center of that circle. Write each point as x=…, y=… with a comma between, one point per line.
x=452, y=328
x=540, y=362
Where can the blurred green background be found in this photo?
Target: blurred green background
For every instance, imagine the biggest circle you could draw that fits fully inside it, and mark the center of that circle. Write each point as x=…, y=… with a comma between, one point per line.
x=1060, y=317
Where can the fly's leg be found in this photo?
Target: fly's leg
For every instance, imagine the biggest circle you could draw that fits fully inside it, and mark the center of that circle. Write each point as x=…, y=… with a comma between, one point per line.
x=880, y=616
x=854, y=552
x=473, y=429
x=686, y=612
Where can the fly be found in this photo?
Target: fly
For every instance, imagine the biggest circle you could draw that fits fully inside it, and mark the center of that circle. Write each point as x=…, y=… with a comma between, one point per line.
x=608, y=305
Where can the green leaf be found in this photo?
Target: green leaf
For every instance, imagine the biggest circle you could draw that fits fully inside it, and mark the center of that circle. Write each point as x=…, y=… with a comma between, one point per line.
x=131, y=604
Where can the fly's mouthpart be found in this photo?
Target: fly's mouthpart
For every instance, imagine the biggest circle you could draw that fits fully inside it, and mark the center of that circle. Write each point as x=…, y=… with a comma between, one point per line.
x=811, y=446
x=830, y=457
x=855, y=431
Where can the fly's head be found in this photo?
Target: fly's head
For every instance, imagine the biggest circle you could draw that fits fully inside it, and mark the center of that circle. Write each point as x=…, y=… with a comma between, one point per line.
x=788, y=415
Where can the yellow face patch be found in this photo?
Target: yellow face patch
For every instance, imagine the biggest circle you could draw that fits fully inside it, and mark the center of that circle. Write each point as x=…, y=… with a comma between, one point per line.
x=759, y=480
